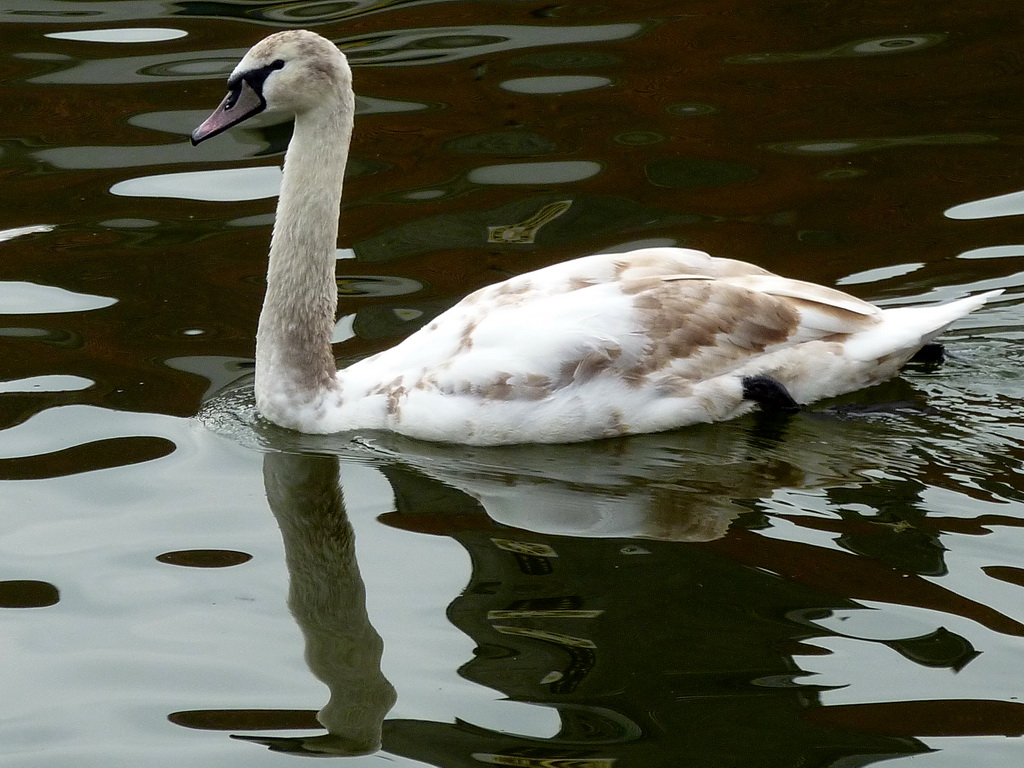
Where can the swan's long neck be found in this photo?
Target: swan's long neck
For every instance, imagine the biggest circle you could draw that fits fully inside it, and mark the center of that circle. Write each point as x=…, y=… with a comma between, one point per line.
x=294, y=364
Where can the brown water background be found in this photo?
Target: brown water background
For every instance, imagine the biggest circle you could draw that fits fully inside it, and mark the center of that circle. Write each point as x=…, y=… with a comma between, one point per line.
x=837, y=590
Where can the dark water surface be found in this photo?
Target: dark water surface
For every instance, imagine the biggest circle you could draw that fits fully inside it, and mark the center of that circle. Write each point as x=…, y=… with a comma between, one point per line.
x=837, y=590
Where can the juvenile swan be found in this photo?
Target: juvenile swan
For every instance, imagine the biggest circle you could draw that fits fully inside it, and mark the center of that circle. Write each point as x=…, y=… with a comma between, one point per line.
x=604, y=345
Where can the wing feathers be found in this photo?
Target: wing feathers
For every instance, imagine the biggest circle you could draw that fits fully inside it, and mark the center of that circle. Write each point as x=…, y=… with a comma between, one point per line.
x=661, y=318
x=773, y=285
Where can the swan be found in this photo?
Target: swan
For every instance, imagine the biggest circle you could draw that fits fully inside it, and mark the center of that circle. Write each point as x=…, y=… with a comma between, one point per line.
x=600, y=346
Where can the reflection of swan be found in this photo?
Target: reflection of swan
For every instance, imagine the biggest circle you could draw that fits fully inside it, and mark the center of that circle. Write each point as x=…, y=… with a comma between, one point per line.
x=597, y=347
x=688, y=485
x=328, y=599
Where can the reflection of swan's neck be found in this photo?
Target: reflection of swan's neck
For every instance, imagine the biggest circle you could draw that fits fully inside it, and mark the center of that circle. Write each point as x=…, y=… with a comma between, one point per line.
x=293, y=352
x=327, y=597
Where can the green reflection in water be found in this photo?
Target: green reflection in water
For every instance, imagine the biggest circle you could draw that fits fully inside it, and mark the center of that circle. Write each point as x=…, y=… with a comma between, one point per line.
x=853, y=145
x=690, y=109
x=687, y=172
x=566, y=59
x=590, y=216
x=639, y=138
x=503, y=143
x=875, y=46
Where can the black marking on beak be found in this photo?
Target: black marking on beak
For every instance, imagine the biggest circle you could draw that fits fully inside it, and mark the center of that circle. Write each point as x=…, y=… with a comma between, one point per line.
x=244, y=99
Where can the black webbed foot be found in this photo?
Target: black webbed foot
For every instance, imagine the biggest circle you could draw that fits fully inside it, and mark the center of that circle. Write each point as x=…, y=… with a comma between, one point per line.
x=769, y=393
x=930, y=355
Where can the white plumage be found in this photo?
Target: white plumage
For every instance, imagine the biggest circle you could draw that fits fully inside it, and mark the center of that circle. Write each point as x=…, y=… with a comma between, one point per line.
x=601, y=346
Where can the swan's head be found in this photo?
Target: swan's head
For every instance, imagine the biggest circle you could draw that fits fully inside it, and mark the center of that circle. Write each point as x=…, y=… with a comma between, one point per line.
x=293, y=72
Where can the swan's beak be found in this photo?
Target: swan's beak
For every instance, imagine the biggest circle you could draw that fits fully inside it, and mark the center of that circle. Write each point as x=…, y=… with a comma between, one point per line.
x=242, y=101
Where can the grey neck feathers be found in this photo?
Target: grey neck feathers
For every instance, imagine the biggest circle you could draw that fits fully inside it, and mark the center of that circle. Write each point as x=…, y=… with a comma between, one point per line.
x=293, y=348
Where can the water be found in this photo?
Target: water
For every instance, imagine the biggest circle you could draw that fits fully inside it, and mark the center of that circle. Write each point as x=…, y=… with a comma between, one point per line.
x=836, y=590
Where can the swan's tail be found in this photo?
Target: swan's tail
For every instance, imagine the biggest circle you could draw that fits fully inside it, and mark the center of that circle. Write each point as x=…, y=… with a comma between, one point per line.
x=907, y=329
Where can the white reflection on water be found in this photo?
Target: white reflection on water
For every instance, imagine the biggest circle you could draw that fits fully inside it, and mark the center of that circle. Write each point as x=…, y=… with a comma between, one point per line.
x=344, y=329
x=371, y=105
x=121, y=35
x=424, y=194
x=871, y=143
x=877, y=275
x=23, y=298
x=229, y=184
x=219, y=370
x=983, y=677
x=180, y=121
x=32, y=229
x=68, y=425
x=993, y=252
x=1011, y=204
x=52, y=383
x=141, y=156
x=535, y=173
x=947, y=292
x=555, y=84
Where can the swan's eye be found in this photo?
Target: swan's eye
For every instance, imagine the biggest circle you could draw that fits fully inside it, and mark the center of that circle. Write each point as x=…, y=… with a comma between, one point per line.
x=257, y=77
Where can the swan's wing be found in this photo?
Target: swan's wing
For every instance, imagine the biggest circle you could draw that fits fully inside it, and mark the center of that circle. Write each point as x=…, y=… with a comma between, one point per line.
x=661, y=262
x=602, y=268
x=688, y=327
x=821, y=309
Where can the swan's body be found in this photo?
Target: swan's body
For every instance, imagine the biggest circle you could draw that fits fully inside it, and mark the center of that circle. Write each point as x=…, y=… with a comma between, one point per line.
x=600, y=346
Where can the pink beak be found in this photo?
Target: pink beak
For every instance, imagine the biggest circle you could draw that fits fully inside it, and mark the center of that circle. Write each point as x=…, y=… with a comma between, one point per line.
x=241, y=102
